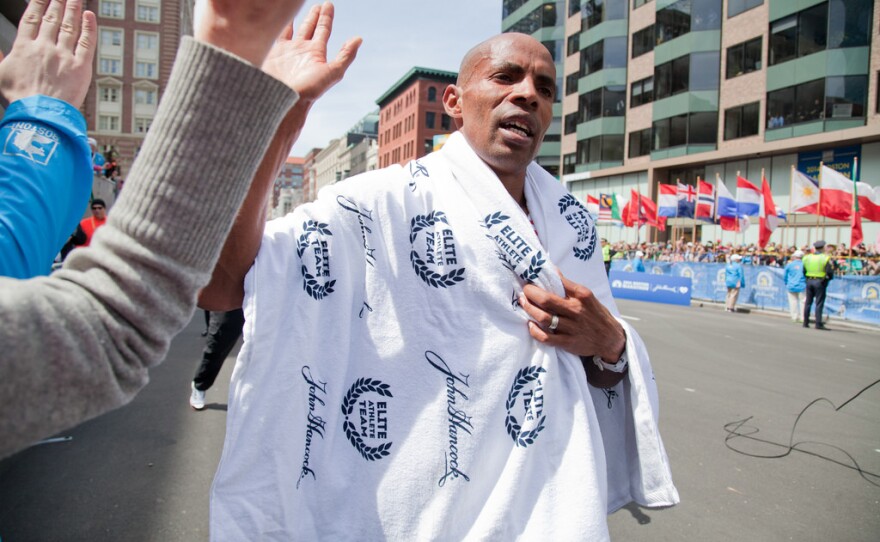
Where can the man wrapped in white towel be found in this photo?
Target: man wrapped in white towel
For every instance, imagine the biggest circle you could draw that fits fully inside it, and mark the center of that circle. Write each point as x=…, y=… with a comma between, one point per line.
x=432, y=351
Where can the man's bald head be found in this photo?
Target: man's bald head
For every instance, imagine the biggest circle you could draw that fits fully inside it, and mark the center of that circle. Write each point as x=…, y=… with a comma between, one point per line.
x=484, y=49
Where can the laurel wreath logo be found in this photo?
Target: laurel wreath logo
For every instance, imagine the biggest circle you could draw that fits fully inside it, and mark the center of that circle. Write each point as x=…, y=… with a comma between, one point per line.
x=582, y=254
x=431, y=277
x=311, y=285
x=522, y=438
x=361, y=386
x=535, y=266
x=495, y=219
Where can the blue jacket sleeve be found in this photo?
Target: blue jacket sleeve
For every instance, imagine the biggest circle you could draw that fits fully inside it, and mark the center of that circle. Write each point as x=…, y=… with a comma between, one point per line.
x=45, y=181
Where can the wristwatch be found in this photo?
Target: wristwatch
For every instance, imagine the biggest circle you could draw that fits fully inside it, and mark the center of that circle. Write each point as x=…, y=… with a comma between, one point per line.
x=618, y=367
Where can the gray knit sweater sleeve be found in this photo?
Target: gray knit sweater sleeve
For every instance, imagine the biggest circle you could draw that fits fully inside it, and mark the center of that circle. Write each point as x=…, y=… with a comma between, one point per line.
x=79, y=343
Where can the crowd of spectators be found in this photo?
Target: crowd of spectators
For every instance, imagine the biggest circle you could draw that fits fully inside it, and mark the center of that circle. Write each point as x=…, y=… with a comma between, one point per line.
x=864, y=260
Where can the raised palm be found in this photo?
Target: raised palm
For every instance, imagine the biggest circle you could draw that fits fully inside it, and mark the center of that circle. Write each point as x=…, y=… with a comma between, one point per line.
x=300, y=60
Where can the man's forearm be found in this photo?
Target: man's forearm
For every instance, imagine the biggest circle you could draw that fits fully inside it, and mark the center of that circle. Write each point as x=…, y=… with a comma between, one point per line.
x=225, y=292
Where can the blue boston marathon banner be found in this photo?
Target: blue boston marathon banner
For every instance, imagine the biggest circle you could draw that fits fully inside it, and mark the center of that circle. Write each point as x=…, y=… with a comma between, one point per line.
x=655, y=287
x=852, y=298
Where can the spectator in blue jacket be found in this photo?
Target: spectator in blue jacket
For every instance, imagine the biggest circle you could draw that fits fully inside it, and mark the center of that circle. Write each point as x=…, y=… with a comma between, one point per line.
x=638, y=265
x=795, y=283
x=734, y=278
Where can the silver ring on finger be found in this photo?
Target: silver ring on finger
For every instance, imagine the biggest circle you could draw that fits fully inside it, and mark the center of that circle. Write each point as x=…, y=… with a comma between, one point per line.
x=554, y=323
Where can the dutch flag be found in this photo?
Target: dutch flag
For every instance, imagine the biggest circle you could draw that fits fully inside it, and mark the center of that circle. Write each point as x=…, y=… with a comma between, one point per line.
x=748, y=198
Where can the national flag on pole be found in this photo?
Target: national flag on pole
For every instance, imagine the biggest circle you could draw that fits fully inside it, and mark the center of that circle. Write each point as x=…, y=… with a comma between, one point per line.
x=667, y=200
x=687, y=200
x=804, y=193
x=726, y=212
x=643, y=211
x=705, y=207
x=593, y=206
x=608, y=206
x=869, y=201
x=836, y=194
x=856, y=235
x=626, y=214
x=748, y=198
x=768, y=219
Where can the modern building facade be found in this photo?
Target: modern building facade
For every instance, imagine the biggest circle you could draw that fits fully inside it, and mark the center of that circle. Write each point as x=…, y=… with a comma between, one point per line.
x=666, y=90
x=137, y=43
x=347, y=155
x=410, y=115
x=545, y=21
x=287, y=191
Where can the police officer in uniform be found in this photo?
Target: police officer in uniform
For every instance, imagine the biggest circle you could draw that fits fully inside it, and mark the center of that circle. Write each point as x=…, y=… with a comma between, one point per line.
x=819, y=270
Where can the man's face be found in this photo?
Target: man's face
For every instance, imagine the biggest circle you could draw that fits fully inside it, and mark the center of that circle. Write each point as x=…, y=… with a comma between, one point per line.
x=505, y=104
x=98, y=211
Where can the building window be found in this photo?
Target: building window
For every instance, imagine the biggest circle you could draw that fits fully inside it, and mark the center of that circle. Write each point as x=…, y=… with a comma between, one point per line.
x=639, y=143
x=598, y=11
x=544, y=16
x=111, y=37
x=108, y=94
x=688, y=129
x=604, y=148
x=602, y=102
x=432, y=94
x=430, y=119
x=147, y=12
x=685, y=16
x=574, y=7
x=643, y=41
x=573, y=44
x=741, y=121
x=144, y=96
x=114, y=9
x=672, y=77
x=849, y=23
x=800, y=103
x=108, y=123
x=639, y=3
x=831, y=25
x=142, y=124
x=571, y=83
x=509, y=6
x=609, y=53
x=735, y=7
x=570, y=123
x=642, y=92
x=445, y=122
x=744, y=58
x=569, y=161
x=554, y=47
x=109, y=66
x=147, y=41
x=846, y=97
x=148, y=70
x=705, y=70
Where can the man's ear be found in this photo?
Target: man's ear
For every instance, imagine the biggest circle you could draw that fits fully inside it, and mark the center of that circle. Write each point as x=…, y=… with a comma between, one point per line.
x=452, y=102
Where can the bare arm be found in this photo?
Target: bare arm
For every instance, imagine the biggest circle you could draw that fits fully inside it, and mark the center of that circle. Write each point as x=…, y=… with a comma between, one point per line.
x=299, y=61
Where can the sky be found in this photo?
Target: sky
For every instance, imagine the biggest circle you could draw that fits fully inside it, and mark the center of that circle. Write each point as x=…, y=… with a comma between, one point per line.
x=398, y=35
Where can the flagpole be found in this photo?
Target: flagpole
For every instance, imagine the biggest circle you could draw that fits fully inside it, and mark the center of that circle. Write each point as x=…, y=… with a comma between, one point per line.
x=715, y=211
x=819, y=205
x=737, y=231
x=855, y=205
x=790, y=217
x=696, y=199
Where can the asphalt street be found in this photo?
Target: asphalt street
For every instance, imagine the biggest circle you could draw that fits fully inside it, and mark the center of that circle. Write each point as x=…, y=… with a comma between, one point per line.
x=732, y=387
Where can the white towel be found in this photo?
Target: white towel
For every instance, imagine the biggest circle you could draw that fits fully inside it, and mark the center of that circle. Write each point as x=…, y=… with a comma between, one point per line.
x=388, y=387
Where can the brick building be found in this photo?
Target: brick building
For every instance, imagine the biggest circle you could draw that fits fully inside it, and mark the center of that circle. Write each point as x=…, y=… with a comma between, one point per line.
x=411, y=114
x=137, y=43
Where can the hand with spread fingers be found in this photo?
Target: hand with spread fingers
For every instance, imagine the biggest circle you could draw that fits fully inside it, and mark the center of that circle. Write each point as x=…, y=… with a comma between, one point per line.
x=52, y=54
x=300, y=60
x=578, y=323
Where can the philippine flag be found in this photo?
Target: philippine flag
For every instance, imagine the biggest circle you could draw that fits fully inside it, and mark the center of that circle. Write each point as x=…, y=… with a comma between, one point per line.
x=667, y=200
x=748, y=198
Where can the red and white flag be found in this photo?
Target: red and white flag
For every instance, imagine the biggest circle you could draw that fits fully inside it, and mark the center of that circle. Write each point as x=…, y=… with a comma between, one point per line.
x=836, y=195
x=593, y=206
x=856, y=235
x=768, y=219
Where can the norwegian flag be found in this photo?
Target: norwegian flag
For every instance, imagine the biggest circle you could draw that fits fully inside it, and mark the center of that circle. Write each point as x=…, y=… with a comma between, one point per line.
x=705, y=208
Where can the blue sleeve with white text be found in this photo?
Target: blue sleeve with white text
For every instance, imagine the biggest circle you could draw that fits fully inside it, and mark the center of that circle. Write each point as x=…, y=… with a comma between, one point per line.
x=45, y=182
